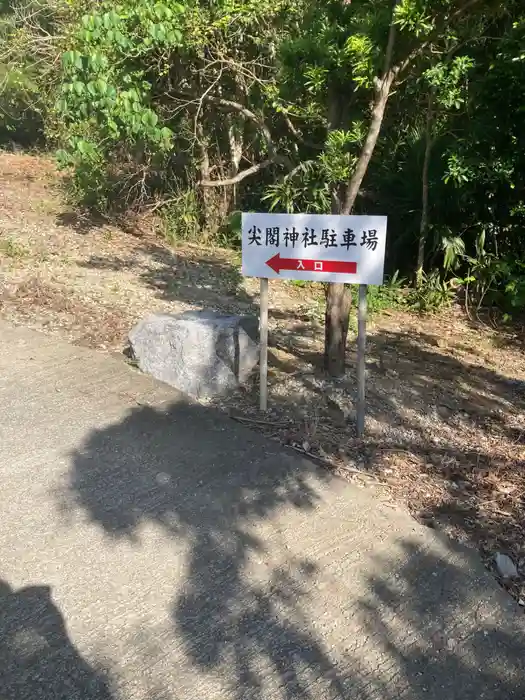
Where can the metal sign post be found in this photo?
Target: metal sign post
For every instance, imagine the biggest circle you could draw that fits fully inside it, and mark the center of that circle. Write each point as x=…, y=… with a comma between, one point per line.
x=320, y=248
x=263, y=344
x=361, y=361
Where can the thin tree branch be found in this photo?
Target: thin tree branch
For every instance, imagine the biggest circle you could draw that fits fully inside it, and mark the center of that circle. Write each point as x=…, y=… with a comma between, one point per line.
x=399, y=68
x=423, y=225
x=203, y=99
x=240, y=176
x=382, y=92
x=297, y=135
x=390, y=44
x=231, y=105
x=273, y=156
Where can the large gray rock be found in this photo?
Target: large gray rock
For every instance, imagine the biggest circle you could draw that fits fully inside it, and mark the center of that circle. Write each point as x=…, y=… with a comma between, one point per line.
x=202, y=353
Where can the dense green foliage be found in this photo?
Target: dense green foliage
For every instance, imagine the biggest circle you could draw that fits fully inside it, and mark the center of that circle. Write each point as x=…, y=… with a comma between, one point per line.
x=200, y=109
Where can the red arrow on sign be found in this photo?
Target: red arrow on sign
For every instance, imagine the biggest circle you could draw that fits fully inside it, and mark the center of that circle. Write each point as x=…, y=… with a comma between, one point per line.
x=277, y=264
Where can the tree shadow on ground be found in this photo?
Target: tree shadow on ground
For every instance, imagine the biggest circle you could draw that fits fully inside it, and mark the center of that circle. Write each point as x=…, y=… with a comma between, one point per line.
x=446, y=433
x=237, y=612
x=463, y=423
x=37, y=658
x=189, y=276
x=508, y=330
x=438, y=620
x=85, y=220
x=202, y=279
x=410, y=385
x=81, y=222
x=181, y=469
x=409, y=373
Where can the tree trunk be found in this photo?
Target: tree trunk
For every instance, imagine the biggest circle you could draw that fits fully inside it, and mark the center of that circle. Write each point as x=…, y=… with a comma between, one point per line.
x=201, y=143
x=337, y=313
x=235, y=139
x=338, y=299
x=423, y=226
x=382, y=94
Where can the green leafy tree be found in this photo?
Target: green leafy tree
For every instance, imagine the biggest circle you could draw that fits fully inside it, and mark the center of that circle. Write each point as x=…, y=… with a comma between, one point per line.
x=285, y=102
x=30, y=35
x=341, y=68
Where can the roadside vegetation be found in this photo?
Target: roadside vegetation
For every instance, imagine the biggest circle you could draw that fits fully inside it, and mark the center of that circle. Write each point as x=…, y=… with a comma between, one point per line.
x=198, y=110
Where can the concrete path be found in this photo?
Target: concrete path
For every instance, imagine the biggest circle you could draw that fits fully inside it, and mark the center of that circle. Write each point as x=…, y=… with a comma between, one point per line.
x=152, y=549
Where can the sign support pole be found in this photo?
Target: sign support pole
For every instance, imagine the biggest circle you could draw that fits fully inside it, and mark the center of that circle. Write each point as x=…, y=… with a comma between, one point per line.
x=263, y=344
x=361, y=364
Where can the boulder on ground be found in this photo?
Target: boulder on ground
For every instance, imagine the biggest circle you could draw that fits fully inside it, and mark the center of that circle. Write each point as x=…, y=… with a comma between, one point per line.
x=202, y=353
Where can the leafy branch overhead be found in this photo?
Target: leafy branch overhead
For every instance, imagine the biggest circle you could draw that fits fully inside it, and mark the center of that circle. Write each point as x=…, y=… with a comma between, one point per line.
x=143, y=72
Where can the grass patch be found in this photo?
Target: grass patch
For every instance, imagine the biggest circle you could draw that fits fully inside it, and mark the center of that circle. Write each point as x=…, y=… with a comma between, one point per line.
x=13, y=249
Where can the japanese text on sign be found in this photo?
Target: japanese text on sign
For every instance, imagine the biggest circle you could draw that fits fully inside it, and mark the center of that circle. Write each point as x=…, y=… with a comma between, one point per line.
x=314, y=247
x=328, y=238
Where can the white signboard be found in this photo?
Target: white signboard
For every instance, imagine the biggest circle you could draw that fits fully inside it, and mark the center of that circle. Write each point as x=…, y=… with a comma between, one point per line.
x=314, y=247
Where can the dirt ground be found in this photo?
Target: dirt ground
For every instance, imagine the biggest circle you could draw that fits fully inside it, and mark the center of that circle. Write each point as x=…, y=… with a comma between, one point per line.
x=446, y=398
